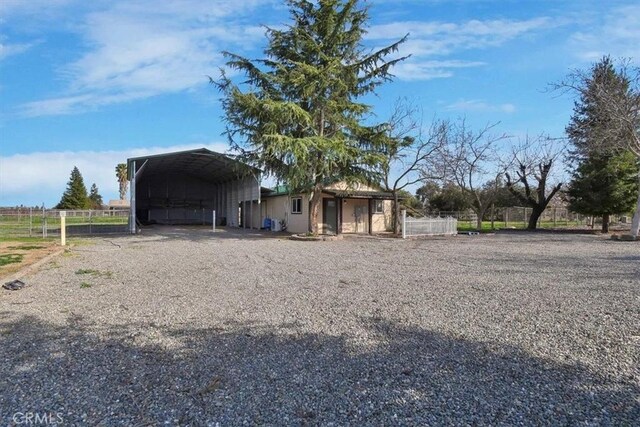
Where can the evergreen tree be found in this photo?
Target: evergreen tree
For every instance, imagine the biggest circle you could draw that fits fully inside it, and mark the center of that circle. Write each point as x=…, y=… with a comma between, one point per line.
x=75, y=196
x=298, y=117
x=593, y=128
x=451, y=198
x=602, y=161
x=604, y=185
x=95, y=198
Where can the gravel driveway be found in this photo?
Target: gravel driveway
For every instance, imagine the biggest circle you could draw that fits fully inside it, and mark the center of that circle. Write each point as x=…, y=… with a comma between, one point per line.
x=178, y=327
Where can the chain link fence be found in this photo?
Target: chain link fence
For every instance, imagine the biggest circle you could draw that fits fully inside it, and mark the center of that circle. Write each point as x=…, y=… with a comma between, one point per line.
x=32, y=222
x=518, y=217
x=552, y=217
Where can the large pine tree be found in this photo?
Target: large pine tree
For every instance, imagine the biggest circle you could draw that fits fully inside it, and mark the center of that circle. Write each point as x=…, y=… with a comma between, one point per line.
x=593, y=129
x=75, y=196
x=604, y=126
x=297, y=115
x=603, y=180
x=604, y=185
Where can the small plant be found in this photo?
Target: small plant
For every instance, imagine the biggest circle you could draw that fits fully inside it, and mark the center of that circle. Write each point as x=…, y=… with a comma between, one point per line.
x=10, y=259
x=84, y=285
x=95, y=273
x=87, y=271
x=68, y=253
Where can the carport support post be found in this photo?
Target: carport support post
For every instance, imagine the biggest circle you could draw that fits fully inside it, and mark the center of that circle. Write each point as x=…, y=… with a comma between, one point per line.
x=214, y=220
x=404, y=223
x=132, y=207
x=63, y=228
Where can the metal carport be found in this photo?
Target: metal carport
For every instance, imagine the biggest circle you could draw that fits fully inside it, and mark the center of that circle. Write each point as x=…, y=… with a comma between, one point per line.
x=185, y=187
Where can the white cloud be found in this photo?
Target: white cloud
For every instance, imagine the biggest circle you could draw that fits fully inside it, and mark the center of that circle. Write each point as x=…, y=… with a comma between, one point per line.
x=428, y=69
x=10, y=49
x=618, y=35
x=429, y=40
x=7, y=50
x=141, y=49
x=42, y=176
x=470, y=33
x=478, y=106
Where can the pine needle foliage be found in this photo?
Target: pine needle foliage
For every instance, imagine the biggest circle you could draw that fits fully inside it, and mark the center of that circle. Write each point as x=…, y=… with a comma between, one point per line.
x=298, y=114
x=75, y=196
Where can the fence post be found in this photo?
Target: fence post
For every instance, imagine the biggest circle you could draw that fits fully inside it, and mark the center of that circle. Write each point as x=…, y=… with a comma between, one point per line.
x=30, y=221
x=404, y=223
x=44, y=223
x=214, y=220
x=63, y=228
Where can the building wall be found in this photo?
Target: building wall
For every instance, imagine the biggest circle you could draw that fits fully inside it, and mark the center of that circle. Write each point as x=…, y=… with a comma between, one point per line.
x=279, y=207
x=382, y=221
x=355, y=216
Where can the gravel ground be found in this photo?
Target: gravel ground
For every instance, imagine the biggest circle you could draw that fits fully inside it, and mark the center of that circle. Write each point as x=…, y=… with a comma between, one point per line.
x=177, y=327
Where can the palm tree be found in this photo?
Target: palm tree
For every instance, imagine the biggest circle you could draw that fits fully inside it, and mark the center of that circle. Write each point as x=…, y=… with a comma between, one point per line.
x=121, y=174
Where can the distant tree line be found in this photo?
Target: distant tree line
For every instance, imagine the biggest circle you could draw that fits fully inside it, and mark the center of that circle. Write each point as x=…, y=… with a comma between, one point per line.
x=76, y=196
x=601, y=152
x=298, y=115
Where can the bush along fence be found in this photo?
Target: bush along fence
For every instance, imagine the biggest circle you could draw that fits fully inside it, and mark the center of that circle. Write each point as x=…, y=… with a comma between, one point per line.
x=30, y=222
x=413, y=227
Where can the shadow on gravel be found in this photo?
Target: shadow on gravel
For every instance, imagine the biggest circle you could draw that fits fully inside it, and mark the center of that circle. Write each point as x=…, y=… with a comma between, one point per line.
x=197, y=233
x=280, y=376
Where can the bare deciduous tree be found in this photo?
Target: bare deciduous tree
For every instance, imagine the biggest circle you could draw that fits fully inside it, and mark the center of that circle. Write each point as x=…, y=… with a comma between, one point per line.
x=533, y=162
x=411, y=154
x=470, y=159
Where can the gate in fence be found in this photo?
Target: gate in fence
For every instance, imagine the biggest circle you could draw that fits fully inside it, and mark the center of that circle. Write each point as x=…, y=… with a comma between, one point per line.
x=412, y=227
x=28, y=222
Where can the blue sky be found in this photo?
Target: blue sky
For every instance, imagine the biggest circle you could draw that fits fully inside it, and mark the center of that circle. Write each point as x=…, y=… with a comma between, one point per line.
x=92, y=83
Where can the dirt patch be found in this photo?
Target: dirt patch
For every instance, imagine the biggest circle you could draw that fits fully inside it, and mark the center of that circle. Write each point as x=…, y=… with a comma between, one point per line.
x=24, y=254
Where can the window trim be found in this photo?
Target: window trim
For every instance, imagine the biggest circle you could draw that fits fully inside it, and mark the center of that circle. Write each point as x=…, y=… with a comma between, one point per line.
x=375, y=206
x=293, y=200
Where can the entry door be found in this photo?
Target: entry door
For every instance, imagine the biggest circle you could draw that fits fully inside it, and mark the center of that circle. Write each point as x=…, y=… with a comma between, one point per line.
x=330, y=215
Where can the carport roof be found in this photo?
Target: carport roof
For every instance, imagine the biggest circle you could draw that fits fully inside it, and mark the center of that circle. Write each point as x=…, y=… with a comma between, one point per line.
x=201, y=163
x=364, y=194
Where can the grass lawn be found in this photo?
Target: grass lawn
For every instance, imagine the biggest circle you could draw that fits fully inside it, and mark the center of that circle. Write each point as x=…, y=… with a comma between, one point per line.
x=13, y=226
x=17, y=253
x=486, y=225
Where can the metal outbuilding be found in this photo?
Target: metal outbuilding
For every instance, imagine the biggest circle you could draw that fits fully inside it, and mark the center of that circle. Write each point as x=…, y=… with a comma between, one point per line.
x=186, y=187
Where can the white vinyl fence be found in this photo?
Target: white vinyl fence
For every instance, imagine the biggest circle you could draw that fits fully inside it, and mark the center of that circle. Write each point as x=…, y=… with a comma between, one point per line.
x=412, y=227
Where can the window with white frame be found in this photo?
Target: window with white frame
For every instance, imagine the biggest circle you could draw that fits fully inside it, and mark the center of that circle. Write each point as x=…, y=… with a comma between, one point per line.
x=378, y=206
x=296, y=205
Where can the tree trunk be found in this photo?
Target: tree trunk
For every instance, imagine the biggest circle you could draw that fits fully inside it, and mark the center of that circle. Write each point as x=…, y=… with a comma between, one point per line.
x=606, y=219
x=316, y=198
x=396, y=213
x=533, y=219
x=480, y=213
x=635, y=224
x=493, y=216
